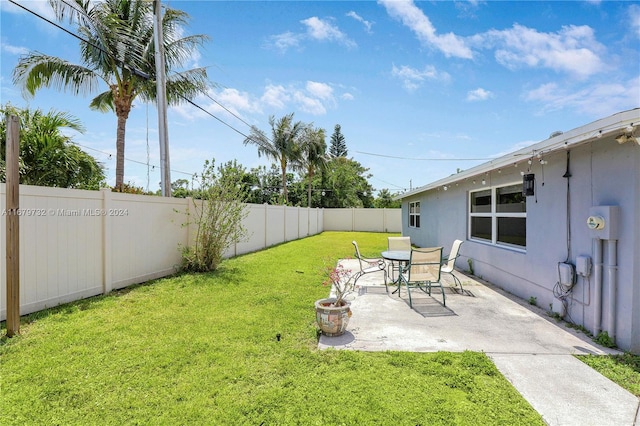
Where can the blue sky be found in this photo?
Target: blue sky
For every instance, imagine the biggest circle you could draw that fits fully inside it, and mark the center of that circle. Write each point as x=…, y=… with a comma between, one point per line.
x=420, y=89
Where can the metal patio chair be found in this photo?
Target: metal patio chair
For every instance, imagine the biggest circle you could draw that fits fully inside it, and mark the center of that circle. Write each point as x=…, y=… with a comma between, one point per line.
x=450, y=263
x=368, y=265
x=423, y=272
x=397, y=243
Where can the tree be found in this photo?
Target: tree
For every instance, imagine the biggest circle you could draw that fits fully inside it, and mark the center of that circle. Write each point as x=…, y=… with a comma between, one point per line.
x=385, y=200
x=180, y=188
x=283, y=147
x=313, y=155
x=347, y=184
x=117, y=48
x=265, y=185
x=338, y=145
x=47, y=156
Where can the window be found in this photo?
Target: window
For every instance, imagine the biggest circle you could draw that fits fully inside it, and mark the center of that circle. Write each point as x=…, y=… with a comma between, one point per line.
x=499, y=216
x=414, y=214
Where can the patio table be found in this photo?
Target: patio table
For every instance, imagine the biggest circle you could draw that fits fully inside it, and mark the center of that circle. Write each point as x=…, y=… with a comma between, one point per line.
x=400, y=256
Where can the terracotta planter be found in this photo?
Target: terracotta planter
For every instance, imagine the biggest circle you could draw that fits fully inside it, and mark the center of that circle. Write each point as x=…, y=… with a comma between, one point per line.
x=332, y=320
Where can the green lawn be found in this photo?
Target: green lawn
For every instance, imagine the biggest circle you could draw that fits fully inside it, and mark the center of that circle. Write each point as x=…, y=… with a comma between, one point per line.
x=202, y=349
x=623, y=369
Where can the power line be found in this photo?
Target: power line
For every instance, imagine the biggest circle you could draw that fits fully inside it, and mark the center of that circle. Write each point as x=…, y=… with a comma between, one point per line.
x=424, y=159
x=110, y=155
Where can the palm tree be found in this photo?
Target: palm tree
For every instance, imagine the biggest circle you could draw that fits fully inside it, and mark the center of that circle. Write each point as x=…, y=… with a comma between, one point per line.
x=313, y=154
x=283, y=146
x=117, y=48
x=47, y=156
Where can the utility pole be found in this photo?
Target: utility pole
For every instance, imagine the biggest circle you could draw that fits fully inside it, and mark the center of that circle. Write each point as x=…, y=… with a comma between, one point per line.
x=12, y=222
x=161, y=99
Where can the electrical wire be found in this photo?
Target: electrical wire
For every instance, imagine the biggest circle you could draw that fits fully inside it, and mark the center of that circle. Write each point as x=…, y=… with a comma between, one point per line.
x=424, y=159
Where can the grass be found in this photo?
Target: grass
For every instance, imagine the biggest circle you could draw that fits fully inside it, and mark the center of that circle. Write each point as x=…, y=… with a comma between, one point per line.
x=623, y=369
x=202, y=349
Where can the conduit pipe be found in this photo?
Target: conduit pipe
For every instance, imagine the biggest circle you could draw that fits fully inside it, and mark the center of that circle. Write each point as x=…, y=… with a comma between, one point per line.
x=597, y=282
x=612, y=268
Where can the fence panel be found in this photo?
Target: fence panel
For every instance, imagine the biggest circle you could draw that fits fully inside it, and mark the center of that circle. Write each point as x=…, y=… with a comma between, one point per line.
x=146, y=234
x=363, y=220
x=60, y=247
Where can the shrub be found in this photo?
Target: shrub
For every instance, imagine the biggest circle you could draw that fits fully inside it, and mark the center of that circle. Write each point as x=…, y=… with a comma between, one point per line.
x=218, y=217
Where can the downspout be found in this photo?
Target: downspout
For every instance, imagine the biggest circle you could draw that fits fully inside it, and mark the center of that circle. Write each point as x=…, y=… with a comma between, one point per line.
x=597, y=282
x=612, y=267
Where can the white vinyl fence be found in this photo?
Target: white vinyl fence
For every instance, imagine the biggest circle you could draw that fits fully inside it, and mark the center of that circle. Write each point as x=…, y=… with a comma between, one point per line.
x=76, y=244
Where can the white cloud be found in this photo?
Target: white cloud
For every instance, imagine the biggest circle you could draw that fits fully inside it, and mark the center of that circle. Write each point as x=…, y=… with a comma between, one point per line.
x=316, y=29
x=320, y=90
x=284, y=41
x=413, y=78
x=367, y=24
x=598, y=100
x=347, y=96
x=13, y=50
x=324, y=30
x=309, y=104
x=275, y=96
x=315, y=98
x=413, y=18
x=573, y=49
x=237, y=101
x=479, y=95
x=228, y=104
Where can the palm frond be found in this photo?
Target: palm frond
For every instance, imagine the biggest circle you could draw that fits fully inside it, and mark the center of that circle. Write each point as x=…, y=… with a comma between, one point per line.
x=103, y=102
x=37, y=70
x=186, y=85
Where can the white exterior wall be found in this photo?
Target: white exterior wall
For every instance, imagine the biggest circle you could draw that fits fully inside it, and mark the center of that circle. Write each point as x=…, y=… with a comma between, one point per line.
x=76, y=244
x=603, y=173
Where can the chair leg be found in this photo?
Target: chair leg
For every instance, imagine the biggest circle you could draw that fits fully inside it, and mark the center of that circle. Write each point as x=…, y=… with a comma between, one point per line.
x=455, y=279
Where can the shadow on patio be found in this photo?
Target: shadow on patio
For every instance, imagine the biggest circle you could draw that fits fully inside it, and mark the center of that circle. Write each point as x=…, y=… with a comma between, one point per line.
x=481, y=318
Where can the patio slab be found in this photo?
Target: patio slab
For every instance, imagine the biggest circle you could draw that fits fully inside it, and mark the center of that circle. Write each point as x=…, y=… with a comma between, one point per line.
x=532, y=350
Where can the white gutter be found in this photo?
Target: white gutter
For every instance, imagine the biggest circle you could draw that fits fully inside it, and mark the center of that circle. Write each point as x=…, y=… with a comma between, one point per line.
x=614, y=124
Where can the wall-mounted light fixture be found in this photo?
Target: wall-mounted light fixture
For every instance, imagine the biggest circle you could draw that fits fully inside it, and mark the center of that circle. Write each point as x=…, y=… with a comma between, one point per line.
x=628, y=136
x=528, y=184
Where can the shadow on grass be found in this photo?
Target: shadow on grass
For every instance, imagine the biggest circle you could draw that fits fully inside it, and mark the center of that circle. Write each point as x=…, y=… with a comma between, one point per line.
x=227, y=274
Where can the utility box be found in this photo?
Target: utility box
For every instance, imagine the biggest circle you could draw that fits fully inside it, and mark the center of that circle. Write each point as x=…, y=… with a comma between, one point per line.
x=603, y=222
x=583, y=265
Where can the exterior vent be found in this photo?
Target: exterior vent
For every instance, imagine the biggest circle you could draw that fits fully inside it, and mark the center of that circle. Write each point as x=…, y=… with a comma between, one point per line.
x=556, y=133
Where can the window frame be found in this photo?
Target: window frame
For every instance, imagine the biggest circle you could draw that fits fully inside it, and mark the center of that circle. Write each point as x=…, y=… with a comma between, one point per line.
x=414, y=216
x=494, y=215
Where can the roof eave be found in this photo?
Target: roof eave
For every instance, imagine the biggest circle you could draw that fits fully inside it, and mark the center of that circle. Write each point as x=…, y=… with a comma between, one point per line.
x=597, y=129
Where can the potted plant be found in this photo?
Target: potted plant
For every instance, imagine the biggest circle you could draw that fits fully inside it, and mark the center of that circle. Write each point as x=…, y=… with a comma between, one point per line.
x=333, y=313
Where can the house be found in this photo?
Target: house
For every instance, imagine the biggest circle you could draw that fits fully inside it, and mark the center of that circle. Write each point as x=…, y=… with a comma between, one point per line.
x=556, y=223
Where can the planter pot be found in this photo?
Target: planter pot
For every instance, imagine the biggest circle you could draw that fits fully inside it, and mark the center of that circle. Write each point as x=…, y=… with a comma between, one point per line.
x=332, y=320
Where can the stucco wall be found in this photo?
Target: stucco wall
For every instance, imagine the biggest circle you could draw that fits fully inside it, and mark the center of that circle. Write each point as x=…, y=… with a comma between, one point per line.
x=602, y=173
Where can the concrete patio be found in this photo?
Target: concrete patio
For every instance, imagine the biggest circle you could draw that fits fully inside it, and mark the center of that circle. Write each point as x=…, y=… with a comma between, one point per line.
x=532, y=350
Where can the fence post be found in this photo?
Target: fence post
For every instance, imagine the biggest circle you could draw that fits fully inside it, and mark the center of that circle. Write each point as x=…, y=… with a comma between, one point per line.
x=107, y=274
x=12, y=222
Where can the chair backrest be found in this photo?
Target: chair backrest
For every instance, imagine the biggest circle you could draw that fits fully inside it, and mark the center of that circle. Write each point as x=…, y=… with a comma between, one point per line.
x=399, y=243
x=424, y=264
x=357, y=254
x=455, y=250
